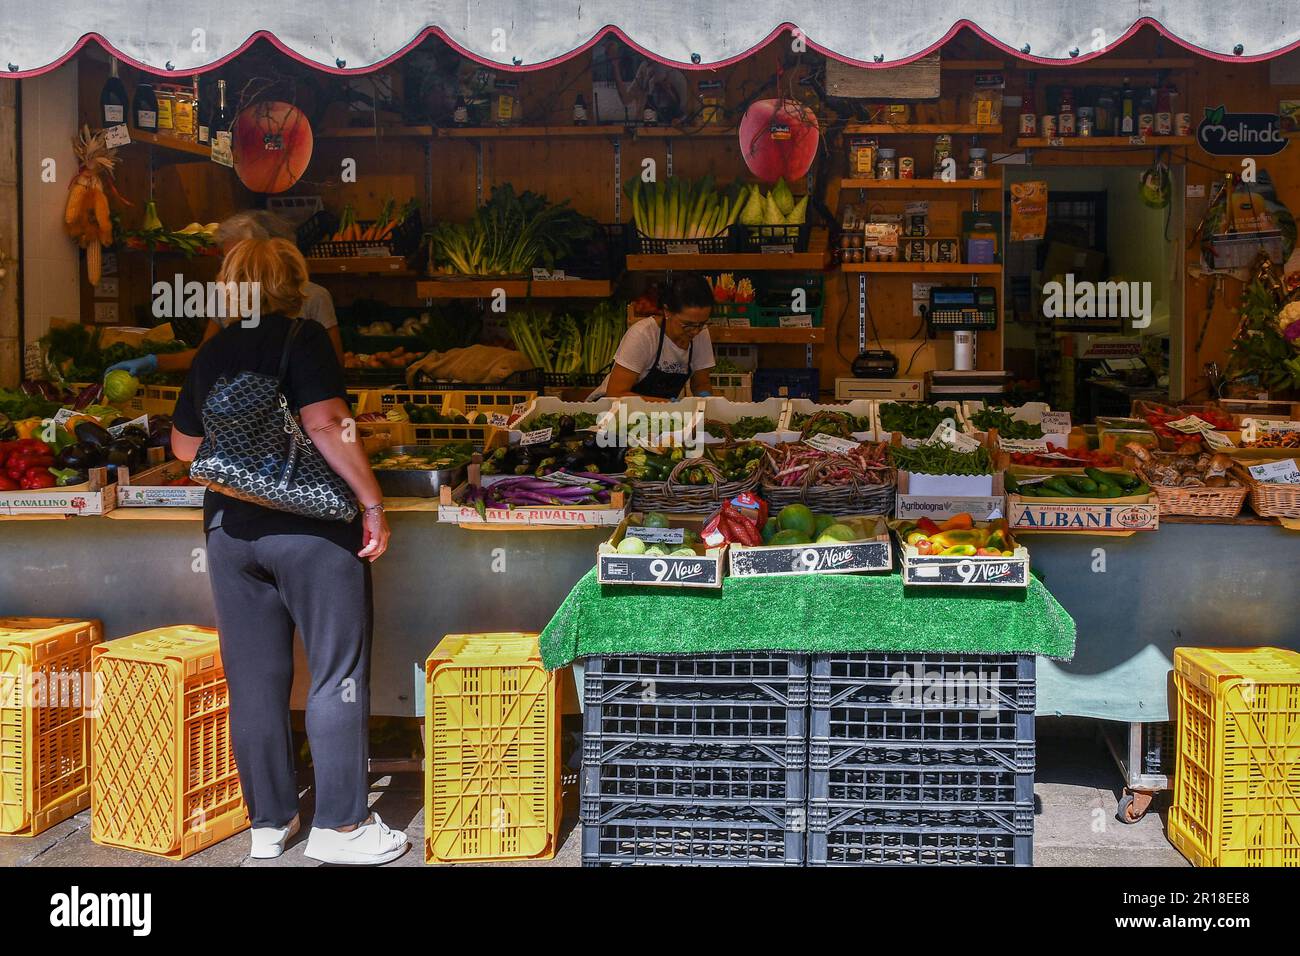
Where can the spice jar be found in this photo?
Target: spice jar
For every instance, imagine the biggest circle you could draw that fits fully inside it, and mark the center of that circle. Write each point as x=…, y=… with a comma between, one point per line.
x=1087, y=121
x=887, y=164
x=906, y=168
x=978, y=164
x=942, y=152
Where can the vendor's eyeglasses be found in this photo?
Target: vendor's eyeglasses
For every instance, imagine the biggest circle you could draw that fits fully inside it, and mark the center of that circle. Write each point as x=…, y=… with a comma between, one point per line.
x=693, y=326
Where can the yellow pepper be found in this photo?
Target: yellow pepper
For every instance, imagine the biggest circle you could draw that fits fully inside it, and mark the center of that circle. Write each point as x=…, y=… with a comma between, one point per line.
x=959, y=551
x=28, y=427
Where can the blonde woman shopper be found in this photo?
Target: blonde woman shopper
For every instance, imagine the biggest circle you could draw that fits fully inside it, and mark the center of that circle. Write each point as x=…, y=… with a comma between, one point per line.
x=271, y=570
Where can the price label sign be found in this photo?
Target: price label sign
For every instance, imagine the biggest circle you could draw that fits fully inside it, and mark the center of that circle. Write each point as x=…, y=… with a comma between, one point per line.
x=1055, y=423
x=519, y=408
x=1253, y=428
x=947, y=433
x=538, y=437
x=796, y=321
x=1277, y=472
x=832, y=444
x=497, y=420
x=117, y=136
x=658, y=535
x=142, y=422
x=563, y=478
x=1191, y=425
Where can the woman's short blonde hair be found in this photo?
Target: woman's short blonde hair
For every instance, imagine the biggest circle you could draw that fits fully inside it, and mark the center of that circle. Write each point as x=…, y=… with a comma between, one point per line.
x=276, y=265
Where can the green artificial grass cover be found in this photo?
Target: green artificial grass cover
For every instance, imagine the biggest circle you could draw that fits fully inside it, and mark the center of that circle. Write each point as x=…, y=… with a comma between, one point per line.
x=810, y=613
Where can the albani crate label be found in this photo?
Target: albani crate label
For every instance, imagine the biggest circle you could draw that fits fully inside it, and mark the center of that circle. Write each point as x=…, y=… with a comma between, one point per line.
x=982, y=572
x=701, y=572
x=1026, y=515
x=811, y=559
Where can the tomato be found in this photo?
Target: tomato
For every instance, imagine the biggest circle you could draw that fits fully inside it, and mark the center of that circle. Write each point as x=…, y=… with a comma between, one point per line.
x=7, y=485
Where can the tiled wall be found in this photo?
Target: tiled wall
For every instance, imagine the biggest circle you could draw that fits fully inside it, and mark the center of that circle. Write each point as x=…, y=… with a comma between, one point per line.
x=51, y=260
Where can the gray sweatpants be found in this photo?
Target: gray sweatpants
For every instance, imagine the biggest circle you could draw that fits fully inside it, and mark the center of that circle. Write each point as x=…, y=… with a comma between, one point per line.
x=261, y=588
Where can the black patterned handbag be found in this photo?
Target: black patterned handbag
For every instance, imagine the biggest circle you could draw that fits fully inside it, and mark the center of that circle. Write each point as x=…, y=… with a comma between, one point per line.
x=254, y=449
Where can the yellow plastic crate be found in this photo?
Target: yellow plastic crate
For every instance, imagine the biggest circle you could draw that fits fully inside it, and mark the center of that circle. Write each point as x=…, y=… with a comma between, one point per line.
x=1237, y=782
x=492, y=778
x=163, y=774
x=45, y=698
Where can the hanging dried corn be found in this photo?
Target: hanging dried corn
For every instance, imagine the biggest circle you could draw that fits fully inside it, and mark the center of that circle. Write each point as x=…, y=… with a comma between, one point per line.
x=86, y=216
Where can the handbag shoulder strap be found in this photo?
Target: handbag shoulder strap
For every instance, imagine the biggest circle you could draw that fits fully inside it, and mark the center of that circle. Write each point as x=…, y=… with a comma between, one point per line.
x=294, y=326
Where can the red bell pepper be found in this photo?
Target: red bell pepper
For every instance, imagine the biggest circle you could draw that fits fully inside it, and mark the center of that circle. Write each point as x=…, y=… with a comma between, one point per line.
x=40, y=478
x=927, y=527
x=7, y=484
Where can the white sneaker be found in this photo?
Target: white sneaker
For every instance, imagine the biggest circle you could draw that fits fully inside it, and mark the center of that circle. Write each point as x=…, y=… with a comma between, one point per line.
x=370, y=844
x=268, y=842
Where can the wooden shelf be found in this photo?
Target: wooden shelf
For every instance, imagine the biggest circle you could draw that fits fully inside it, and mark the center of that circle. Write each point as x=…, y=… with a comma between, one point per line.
x=604, y=130
x=923, y=268
x=178, y=150
x=371, y=132
x=918, y=129
x=519, y=288
x=674, y=132
x=992, y=66
x=994, y=184
x=766, y=336
x=812, y=260
x=360, y=265
x=1103, y=142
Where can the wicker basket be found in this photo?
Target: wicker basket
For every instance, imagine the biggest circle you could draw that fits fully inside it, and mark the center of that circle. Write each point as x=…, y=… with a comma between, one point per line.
x=1270, y=499
x=669, y=496
x=854, y=498
x=1199, y=501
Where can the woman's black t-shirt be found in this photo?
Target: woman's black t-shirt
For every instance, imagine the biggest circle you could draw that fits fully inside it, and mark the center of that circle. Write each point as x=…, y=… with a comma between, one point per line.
x=313, y=375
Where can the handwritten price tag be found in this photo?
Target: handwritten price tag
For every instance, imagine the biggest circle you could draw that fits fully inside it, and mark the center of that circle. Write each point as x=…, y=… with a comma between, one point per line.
x=1191, y=425
x=658, y=535
x=1055, y=423
x=1277, y=472
x=117, y=136
x=538, y=437
x=497, y=420
x=947, y=433
x=836, y=446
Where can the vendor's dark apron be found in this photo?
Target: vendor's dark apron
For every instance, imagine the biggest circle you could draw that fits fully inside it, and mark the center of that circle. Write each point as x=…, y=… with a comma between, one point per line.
x=660, y=384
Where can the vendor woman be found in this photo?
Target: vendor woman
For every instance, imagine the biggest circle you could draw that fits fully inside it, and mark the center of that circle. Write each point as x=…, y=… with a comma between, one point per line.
x=660, y=354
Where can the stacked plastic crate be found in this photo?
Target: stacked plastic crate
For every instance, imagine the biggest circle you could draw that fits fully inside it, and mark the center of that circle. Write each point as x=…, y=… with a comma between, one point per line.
x=696, y=760
x=921, y=759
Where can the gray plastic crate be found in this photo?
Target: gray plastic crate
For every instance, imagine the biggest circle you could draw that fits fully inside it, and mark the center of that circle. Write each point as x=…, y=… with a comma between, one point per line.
x=921, y=759
x=883, y=698
x=625, y=833
x=751, y=698
x=698, y=760
x=849, y=774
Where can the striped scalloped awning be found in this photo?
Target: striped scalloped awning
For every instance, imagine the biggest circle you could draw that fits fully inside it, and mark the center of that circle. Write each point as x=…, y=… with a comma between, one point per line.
x=185, y=36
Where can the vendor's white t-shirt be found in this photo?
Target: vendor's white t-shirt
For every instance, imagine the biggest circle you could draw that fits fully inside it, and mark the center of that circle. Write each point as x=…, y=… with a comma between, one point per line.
x=637, y=352
x=317, y=305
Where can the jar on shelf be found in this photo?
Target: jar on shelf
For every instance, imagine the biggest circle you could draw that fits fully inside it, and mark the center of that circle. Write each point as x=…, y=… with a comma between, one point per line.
x=978, y=164
x=942, y=153
x=887, y=164
x=906, y=168
x=1087, y=123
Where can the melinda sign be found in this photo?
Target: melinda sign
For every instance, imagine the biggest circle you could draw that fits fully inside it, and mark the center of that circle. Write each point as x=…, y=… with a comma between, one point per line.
x=1240, y=134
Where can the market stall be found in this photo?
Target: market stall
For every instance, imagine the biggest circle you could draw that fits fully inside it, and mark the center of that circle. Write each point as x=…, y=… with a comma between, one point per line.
x=862, y=437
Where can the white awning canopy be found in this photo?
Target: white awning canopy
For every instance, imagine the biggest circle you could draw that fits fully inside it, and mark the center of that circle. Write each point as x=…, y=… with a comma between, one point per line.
x=355, y=35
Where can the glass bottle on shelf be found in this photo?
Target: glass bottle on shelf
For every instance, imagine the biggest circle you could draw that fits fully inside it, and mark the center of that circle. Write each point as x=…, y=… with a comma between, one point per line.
x=144, y=109
x=1127, y=112
x=579, y=111
x=203, y=112
x=113, y=101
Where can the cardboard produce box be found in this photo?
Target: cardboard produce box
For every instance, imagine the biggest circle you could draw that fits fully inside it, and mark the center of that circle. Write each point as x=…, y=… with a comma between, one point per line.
x=703, y=570
x=873, y=552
